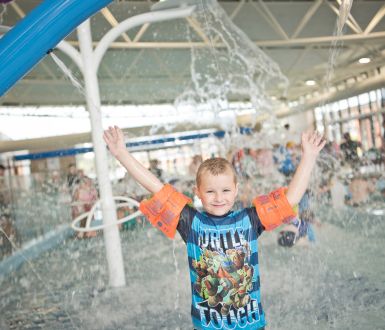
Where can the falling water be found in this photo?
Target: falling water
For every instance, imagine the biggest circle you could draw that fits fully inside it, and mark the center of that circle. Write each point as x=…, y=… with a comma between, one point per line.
x=3, y=10
x=68, y=73
x=37, y=275
x=177, y=273
x=336, y=44
x=343, y=15
x=230, y=67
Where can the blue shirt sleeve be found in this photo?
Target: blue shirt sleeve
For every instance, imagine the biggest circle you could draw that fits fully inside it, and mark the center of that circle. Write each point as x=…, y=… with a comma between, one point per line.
x=185, y=221
x=255, y=221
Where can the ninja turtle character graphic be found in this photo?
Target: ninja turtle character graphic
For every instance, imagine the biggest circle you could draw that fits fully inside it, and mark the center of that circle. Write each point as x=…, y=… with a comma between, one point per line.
x=224, y=278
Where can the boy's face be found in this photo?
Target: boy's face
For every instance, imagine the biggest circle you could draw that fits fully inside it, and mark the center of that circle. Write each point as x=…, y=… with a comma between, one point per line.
x=217, y=192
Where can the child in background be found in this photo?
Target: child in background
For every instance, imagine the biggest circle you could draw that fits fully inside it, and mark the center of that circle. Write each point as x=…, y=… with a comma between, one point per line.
x=360, y=189
x=300, y=231
x=194, y=165
x=222, y=244
x=85, y=195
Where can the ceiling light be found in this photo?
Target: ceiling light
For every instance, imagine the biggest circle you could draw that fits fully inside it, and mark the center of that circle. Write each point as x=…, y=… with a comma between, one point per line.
x=310, y=82
x=364, y=60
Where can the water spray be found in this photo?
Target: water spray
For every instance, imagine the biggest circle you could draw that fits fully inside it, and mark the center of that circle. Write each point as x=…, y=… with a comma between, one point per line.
x=51, y=293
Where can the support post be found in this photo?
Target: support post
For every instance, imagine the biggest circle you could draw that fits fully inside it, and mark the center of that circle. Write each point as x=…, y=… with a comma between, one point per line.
x=111, y=233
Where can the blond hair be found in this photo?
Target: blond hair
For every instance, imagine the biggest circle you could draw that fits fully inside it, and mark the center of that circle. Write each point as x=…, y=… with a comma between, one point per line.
x=215, y=166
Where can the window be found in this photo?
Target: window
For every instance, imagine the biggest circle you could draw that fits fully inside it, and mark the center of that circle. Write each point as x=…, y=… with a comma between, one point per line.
x=359, y=115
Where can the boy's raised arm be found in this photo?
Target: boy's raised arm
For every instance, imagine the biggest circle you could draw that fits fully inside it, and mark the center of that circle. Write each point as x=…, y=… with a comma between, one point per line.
x=114, y=138
x=312, y=143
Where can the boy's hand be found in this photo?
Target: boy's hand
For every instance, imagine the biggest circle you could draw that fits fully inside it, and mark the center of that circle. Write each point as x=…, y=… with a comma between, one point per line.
x=115, y=141
x=312, y=144
x=114, y=138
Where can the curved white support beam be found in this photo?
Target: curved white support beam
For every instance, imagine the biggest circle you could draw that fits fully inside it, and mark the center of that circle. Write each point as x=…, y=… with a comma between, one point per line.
x=72, y=53
x=127, y=201
x=132, y=22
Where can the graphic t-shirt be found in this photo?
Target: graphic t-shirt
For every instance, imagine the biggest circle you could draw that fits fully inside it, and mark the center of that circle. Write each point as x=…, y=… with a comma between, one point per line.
x=223, y=260
x=222, y=254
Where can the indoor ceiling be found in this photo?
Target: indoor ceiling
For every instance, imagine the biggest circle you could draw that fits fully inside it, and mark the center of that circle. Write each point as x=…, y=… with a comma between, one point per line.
x=151, y=63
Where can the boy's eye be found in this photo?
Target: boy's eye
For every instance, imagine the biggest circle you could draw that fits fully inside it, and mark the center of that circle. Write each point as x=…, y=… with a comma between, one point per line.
x=209, y=191
x=226, y=190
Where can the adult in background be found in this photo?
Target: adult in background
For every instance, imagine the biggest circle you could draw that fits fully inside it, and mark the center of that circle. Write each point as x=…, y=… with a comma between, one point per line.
x=349, y=149
x=194, y=165
x=72, y=176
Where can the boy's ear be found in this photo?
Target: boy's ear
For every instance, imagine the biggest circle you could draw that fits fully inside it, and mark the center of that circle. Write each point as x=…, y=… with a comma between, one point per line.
x=236, y=189
x=196, y=191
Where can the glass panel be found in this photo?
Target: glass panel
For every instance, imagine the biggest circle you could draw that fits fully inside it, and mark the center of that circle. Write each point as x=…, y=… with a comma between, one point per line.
x=366, y=134
x=377, y=131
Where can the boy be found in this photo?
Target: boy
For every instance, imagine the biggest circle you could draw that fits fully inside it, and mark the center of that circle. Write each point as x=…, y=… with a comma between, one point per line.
x=221, y=243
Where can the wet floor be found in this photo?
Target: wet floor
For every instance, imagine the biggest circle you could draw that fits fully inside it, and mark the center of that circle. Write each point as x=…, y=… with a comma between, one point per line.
x=337, y=283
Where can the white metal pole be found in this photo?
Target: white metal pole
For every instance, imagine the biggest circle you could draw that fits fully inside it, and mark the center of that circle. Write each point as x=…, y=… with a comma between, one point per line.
x=111, y=233
x=131, y=22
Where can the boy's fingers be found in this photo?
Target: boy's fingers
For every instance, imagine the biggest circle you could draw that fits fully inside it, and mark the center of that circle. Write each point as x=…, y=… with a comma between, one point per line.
x=316, y=138
x=107, y=133
x=321, y=145
x=113, y=134
x=109, y=136
x=313, y=137
x=320, y=138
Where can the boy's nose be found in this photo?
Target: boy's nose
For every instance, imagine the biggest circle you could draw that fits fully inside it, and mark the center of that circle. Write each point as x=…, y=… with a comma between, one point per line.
x=218, y=197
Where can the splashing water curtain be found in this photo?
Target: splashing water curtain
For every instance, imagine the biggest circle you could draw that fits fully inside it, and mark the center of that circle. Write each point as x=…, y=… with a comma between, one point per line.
x=36, y=273
x=3, y=10
x=229, y=67
x=343, y=16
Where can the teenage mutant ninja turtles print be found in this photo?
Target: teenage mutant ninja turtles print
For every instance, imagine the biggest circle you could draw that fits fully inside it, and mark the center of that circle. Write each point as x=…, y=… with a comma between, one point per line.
x=224, y=279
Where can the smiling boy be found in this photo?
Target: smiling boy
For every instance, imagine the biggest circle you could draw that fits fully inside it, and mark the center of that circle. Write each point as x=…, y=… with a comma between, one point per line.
x=222, y=244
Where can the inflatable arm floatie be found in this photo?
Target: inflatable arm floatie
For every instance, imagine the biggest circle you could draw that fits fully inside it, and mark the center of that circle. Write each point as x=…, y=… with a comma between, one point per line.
x=274, y=209
x=164, y=208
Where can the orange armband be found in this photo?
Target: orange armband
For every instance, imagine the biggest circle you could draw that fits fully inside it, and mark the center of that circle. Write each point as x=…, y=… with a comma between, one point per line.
x=164, y=208
x=274, y=209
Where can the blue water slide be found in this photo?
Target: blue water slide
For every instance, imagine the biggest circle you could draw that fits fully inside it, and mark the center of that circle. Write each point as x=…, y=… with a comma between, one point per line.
x=37, y=33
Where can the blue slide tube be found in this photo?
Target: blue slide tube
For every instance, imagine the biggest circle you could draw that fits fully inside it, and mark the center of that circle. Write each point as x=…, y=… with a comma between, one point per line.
x=39, y=32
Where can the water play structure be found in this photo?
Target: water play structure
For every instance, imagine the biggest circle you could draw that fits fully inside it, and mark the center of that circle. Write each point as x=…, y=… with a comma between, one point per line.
x=38, y=33
x=42, y=30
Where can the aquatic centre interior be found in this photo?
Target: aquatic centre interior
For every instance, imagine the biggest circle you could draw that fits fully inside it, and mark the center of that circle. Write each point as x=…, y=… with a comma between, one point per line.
x=188, y=80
